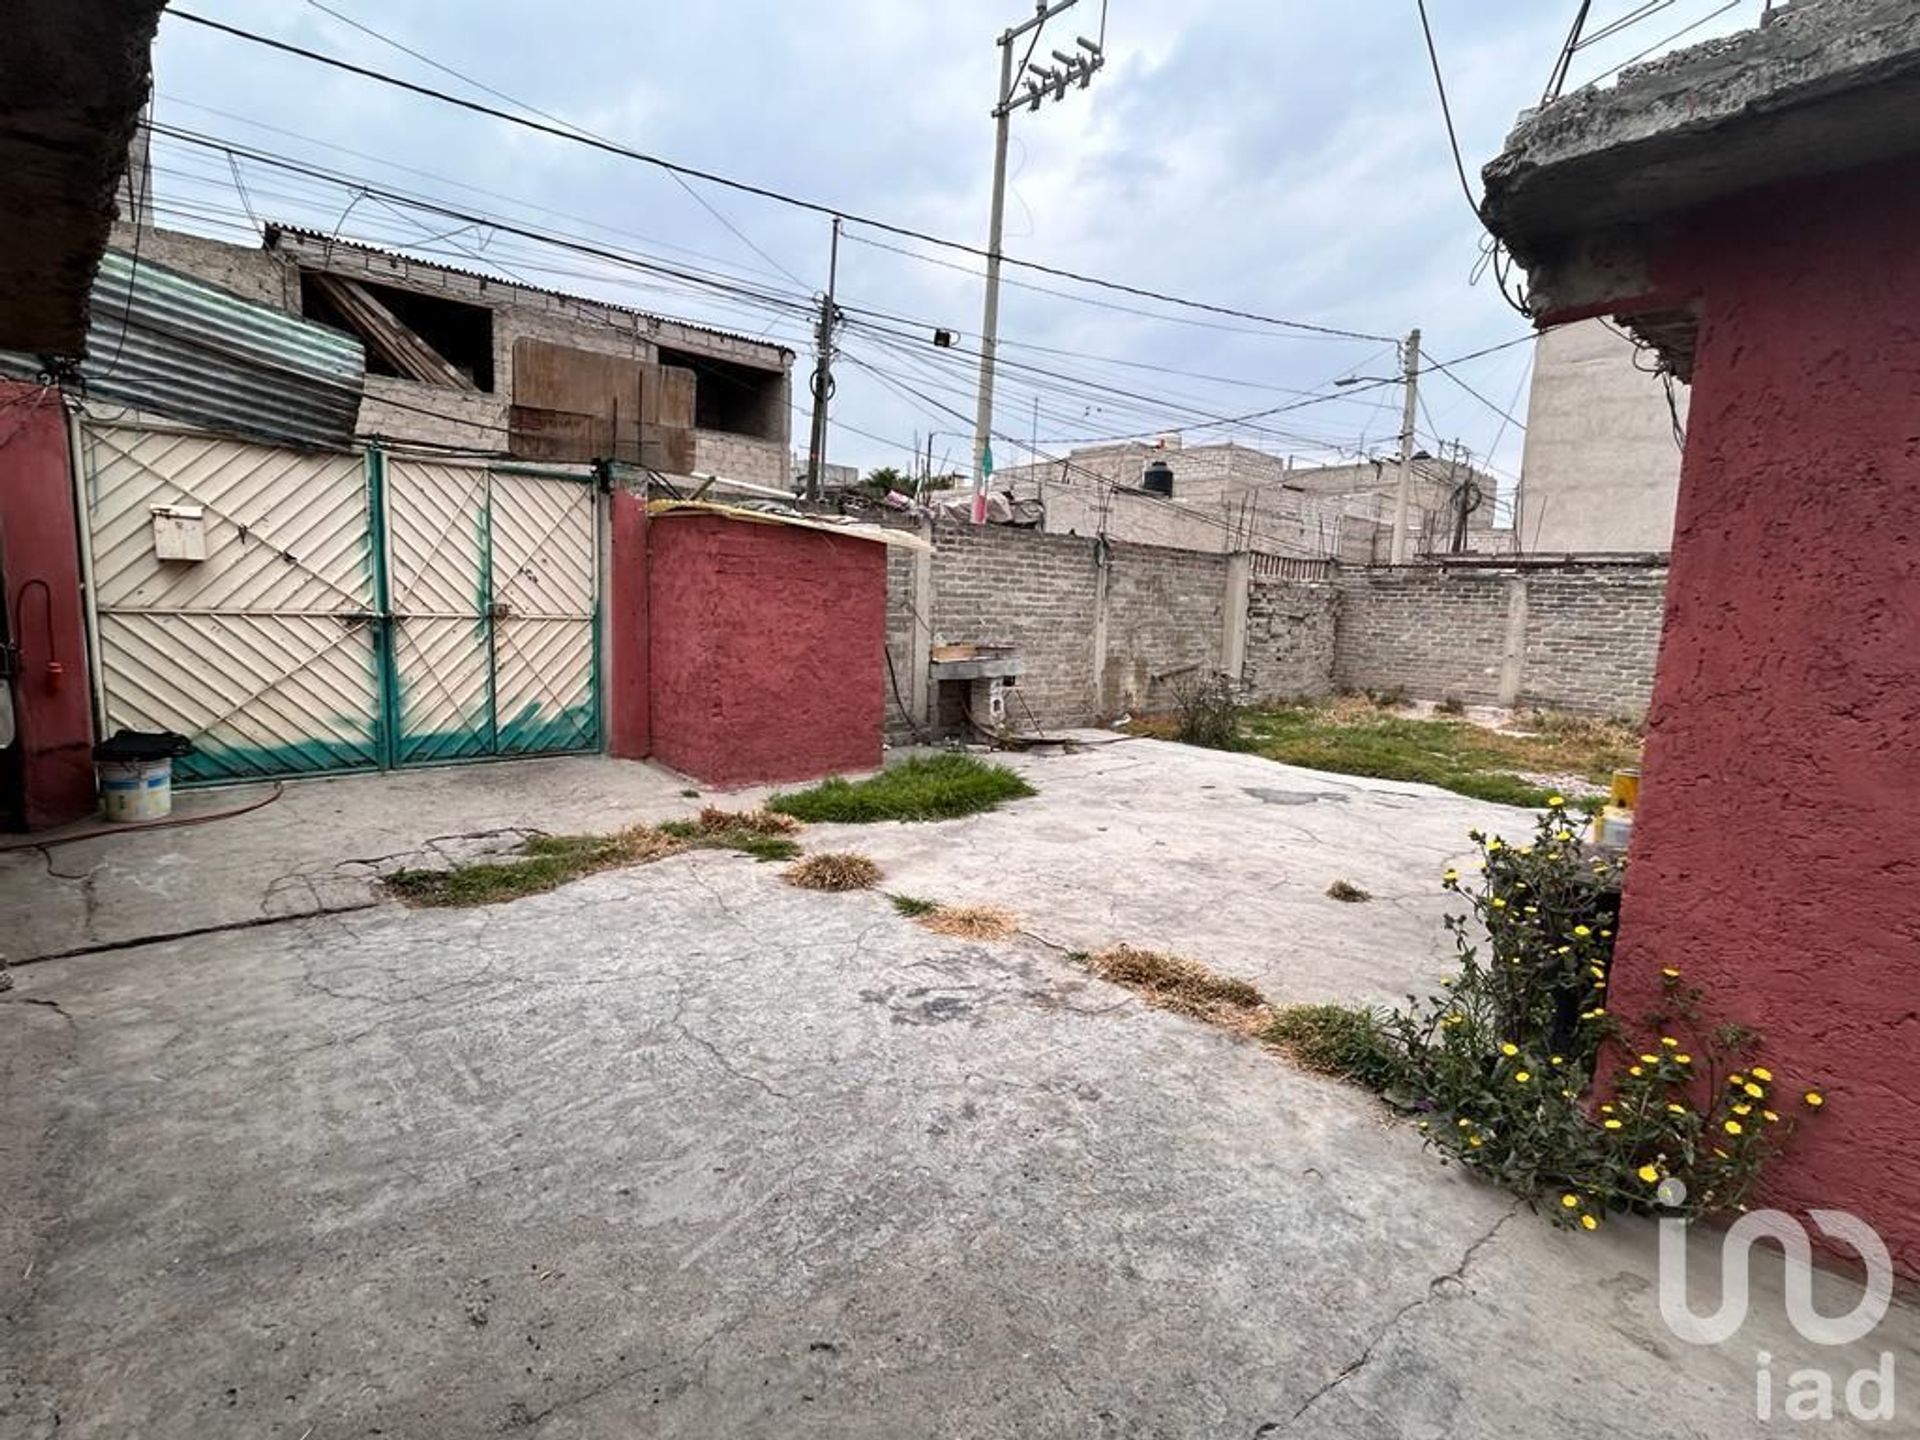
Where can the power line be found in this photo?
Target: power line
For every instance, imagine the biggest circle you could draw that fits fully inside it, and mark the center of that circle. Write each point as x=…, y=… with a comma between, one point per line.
x=481, y=85
x=1658, y=45
x=745, y=187
x=1446, y=110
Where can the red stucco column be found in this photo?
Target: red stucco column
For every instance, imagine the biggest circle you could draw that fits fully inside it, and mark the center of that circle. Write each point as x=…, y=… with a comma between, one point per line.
x=40, y=566
x=1776, y=855
x=629, y=713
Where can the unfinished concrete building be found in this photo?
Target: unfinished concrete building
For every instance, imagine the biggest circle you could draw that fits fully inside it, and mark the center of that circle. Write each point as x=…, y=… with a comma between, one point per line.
x=465, y=360
x=1230, y=497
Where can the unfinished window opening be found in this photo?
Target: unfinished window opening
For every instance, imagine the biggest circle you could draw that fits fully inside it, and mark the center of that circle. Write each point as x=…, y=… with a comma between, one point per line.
x=734, y=399
x=426, y=338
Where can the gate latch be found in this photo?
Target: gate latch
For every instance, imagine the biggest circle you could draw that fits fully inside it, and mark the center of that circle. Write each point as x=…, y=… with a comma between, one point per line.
x=353, y=618
x=499, y=610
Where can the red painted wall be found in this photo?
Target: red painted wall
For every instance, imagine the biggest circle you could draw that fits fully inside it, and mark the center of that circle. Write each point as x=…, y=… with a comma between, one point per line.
x=629, y=711
x=1776, y=859
x=768, y=647
x=39, y=543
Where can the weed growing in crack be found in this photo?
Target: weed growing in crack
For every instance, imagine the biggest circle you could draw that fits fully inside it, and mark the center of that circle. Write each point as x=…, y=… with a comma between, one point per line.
x=912, y=906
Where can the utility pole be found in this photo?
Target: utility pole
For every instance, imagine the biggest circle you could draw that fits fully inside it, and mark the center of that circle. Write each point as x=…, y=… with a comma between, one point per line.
x=821, y=381
x=1044, y=82
x=1411, y=357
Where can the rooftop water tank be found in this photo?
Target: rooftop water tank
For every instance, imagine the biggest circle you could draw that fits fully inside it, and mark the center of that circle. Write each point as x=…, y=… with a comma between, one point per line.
x=1157, y=478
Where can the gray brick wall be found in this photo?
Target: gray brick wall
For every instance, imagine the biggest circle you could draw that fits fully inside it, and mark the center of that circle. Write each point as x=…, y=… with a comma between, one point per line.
x=1034, y=592
x=1584, y=642
x=1592, y=637
x=1290, y=639
x=1164, y=621
x=1587, y=642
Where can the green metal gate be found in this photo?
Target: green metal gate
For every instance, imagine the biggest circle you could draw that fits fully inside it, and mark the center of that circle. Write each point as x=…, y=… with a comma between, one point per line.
x=491, y=581
x=350, y=612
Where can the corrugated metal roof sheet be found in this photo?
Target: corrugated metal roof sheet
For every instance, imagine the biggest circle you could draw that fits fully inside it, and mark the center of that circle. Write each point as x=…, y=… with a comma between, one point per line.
x=170, y=345
x=276, y=228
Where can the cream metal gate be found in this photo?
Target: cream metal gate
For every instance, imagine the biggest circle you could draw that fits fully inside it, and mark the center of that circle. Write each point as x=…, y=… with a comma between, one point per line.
x=351, y=612
x=264, y=653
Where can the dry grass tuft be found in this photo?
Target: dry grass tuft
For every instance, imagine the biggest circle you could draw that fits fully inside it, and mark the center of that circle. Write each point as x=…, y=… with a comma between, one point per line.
x=712, y=820
x=544, y=862
x=834, y=872
x=970, y=922
x=1348, y=892
x=1172, y=982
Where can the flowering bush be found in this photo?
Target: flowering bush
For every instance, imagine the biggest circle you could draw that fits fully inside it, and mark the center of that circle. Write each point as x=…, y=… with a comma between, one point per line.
x=1499, y=1067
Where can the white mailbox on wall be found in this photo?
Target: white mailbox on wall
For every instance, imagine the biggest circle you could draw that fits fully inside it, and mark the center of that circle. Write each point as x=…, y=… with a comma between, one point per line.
x=179, y=532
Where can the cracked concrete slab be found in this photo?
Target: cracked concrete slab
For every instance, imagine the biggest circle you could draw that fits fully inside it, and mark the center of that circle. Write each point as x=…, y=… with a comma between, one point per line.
x=316, y=849
x=641, y=1156
x=1220, y=856
x=683, y=1151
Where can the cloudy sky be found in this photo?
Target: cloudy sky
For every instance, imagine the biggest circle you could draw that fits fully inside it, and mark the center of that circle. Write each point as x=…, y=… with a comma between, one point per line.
x=1284, y=157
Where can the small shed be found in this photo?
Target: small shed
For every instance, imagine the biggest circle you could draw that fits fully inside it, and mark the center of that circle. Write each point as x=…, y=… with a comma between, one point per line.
x=767, y=641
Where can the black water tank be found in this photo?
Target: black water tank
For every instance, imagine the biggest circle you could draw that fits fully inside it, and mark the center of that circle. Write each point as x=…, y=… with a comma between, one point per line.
x=1157, y=478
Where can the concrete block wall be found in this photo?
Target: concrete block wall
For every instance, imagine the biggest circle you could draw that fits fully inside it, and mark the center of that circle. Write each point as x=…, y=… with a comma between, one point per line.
x=1291, y=626
x=1578, y=637
x=1035, y=592
x=1107, y=630
x=1592, y=636
x=1165, y=615
x=1432, y=631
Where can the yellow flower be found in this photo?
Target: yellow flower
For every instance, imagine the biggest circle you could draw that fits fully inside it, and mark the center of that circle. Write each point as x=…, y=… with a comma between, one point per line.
x=1770, y=1117
x=1451, y=876
x=1556, y=800
x=1492, y=846
x=1521, y=1077
x=1754, y=1090
x=1683, y=1059
x=1596, y=972
x=1669, y=1042
x=1676, y=1109
x=1582, y=931
x=1587, y=1222
x=1610, y=1124
x=1572, y=1202
x=1563, y=836
x=1648, y=1174
x=1743, y=1109
x=1464, y=1122
x=1815, y=1099
x=1475, y=1141
x=1736, y=1081
x=1509, y=1049
x=1555, y=1060
x=1732, y=1127
x=1760, y=1072
x=1670, y=973
x=1498, y=903
x=1635, y=1070
x=1607, y=1109
x=1649, y=1059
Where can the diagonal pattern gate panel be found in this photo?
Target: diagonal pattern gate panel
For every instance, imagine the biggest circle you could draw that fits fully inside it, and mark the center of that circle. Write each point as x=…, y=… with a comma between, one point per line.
x=493, y=580
x=266, y=653
x=545, y=661
x=437, y=588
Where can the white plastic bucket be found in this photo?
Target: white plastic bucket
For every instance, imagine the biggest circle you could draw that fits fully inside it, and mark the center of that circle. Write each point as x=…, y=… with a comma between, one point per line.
x=135, y=789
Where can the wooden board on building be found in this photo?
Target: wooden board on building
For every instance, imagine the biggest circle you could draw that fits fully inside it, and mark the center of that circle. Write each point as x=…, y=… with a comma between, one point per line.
x=575, y=406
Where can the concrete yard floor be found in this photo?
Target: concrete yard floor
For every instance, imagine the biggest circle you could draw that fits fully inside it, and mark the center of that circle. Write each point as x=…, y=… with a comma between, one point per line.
x=683, y=1151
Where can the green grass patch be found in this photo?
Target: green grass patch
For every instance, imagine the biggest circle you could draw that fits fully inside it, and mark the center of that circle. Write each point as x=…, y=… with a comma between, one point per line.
x=1336, y=1040
x=927, y=787
x=759, y=833
x=912, y=906
x=545, y=862
x=1359, y=737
